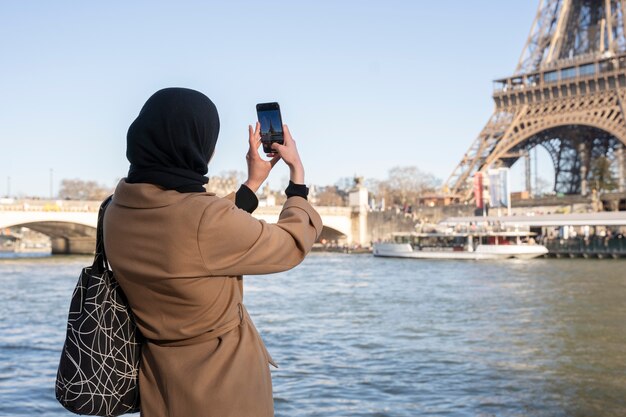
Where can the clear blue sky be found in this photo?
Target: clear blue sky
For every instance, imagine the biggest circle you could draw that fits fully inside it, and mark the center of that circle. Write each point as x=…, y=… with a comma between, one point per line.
x=363, y=85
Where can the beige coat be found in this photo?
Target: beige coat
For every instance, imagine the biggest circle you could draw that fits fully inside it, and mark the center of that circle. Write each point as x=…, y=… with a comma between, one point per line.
x=179, y=258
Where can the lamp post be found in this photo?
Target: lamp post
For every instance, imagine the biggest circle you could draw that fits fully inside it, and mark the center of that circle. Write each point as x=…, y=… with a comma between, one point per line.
x=51, y=186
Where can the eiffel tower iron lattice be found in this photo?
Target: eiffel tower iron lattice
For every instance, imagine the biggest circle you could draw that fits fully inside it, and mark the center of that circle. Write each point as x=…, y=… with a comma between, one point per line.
x=567, y=95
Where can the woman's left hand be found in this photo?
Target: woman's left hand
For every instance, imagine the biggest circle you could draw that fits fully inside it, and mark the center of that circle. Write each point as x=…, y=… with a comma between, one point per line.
x=258, y=168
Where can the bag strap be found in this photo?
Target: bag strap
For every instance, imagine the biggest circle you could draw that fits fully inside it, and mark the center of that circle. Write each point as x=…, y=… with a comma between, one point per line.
x=100, y=262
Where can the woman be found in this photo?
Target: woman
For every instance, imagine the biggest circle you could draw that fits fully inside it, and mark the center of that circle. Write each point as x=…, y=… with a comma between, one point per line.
x=178, y=253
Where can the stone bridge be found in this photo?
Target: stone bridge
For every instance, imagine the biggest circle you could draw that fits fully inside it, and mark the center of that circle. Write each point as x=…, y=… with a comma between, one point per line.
x=71, y=225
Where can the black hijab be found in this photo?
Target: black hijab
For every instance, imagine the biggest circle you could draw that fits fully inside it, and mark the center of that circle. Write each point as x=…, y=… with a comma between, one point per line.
x=171, y=141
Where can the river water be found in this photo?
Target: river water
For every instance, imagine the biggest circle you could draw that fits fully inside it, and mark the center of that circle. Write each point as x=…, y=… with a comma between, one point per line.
x=356, y=335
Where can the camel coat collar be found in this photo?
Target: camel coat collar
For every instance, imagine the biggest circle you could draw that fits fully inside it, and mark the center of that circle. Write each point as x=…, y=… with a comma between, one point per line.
x=144, y=196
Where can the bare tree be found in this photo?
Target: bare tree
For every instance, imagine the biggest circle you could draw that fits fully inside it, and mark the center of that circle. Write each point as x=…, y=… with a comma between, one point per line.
x=405, y=185
x=344, y=184
x=226, y=182
x=543, y=187
x=601, y=175
x=77, y=189
x=331, y=196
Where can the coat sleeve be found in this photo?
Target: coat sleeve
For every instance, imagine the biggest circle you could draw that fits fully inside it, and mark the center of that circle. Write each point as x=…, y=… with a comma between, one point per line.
x=232, y=242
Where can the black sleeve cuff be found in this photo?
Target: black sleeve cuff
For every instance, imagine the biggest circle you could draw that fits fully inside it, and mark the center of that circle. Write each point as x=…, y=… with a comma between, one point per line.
x=245, y=199
x=297, y=190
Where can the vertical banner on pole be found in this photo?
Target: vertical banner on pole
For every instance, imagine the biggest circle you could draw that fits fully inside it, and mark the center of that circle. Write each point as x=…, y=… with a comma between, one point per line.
x=504, y=187
x=499, y=188
x=494, y=188
x=478, y=189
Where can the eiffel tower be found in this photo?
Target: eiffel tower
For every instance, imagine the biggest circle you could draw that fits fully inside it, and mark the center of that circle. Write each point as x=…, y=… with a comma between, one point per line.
x=567, y=95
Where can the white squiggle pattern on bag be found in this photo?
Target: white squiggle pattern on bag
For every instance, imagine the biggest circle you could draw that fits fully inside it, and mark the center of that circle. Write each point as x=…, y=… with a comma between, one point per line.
x=101, y=350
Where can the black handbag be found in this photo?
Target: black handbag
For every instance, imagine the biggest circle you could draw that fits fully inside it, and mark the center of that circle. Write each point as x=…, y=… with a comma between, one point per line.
x=99, y=368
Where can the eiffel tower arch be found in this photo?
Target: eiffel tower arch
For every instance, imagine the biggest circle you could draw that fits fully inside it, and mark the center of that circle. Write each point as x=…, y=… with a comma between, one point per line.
x=568, y=95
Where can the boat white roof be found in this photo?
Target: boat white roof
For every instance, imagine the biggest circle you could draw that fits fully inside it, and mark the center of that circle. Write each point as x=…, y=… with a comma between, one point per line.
x=613, y=218
x=477, y=233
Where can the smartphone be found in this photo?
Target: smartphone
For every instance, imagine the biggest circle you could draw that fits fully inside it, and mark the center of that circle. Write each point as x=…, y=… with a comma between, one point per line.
x=271, y=125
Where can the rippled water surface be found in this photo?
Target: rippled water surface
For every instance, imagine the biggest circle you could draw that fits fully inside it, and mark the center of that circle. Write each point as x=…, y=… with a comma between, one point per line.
x=361, y=336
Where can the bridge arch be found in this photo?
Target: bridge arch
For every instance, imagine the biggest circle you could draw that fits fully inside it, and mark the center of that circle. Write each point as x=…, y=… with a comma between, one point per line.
x=69, y=232
x=571, y=146
x=330, y=234
x=60, y=229
x=66, y=237
x=338, y=221
x=22, y=218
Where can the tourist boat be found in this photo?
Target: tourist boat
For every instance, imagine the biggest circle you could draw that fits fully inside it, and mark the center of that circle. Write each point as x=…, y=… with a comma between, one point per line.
x=471, y=244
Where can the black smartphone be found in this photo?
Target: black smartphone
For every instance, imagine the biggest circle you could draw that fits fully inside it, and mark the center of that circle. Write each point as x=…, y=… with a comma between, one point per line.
x=271, y=125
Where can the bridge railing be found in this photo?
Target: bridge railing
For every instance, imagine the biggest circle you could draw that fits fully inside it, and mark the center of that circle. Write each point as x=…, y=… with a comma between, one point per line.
x=50, y=206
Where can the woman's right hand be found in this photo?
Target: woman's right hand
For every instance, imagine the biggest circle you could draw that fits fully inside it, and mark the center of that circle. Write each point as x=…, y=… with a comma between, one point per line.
x=258, y=168
x=289, y=153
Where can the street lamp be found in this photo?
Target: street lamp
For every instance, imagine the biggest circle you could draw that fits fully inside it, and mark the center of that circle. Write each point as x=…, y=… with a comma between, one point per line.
x=51, y=186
